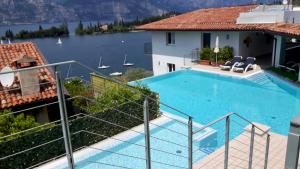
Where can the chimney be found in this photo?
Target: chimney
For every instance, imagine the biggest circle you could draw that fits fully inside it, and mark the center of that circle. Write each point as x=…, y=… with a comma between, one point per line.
x=29, y=80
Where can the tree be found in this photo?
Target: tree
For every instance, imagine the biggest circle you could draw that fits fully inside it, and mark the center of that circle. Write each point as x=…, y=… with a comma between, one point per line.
x=9, y=34
x=10, y=124
x=64, y=28
x=40, y=28
x=79, y=30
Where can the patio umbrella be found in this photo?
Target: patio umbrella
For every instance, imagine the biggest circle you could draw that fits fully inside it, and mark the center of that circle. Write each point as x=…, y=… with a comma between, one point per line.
x=217, y=50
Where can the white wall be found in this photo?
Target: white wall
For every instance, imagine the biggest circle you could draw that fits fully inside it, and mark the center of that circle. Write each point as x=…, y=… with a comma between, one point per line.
x=292, y=16
x=261, y=17
x=279, y=56
x=258, y=45
x=178, y=54
x=232, y=41
x=270, y=14
x=185, y=42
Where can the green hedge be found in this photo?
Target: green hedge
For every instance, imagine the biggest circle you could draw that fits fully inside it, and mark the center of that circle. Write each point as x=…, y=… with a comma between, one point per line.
x=56, y=148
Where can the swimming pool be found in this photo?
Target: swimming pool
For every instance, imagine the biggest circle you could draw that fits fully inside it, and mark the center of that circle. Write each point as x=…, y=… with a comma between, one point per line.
x=130, y=153
x=261, y=98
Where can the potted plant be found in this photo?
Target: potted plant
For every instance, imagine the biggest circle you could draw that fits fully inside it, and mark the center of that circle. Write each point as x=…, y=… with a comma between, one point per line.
x=224, y=55
x=205, y=56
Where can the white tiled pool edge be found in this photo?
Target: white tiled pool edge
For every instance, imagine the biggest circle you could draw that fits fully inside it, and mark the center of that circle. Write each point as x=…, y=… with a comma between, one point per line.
x=226, y=73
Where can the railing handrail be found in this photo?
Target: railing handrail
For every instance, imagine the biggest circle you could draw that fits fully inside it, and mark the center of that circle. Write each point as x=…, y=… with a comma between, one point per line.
x=65, y=124
x=126, y=85
x=99, y=74
x=227, y=115
x=40, y=66
x=212, y=123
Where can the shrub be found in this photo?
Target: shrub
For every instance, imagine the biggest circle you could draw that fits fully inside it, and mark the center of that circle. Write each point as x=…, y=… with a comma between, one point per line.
x=10, y=124
x=226, y=53
x=133, y=74
x=206, y=54
x=76, y=87
x=293, y=76
x=111, y=97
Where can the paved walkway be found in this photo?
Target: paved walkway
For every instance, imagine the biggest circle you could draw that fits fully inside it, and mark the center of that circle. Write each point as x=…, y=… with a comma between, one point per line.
x=214, y=69
x=239, y=153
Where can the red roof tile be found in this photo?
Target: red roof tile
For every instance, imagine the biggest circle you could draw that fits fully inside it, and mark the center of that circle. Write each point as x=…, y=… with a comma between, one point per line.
x=217, y=19
x=12, y=96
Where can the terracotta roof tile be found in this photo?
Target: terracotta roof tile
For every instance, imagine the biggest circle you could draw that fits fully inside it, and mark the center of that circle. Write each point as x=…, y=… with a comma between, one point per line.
x=12, y=96
x=222, y=19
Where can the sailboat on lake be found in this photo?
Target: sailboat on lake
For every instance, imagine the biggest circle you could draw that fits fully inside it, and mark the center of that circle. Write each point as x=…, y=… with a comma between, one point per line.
x=125, y=63
x=101, y=65
x=116, y=74
x=59, y=42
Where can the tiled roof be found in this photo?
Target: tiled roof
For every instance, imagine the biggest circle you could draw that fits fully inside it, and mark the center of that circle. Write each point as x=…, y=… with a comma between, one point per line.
x=12, y=96
x=217, y=19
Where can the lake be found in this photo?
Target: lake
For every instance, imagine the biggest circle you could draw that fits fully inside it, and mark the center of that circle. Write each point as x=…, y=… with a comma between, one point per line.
x=88, y=49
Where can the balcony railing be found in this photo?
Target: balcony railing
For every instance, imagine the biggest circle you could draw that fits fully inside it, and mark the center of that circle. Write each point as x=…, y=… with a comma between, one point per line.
x=81, y=130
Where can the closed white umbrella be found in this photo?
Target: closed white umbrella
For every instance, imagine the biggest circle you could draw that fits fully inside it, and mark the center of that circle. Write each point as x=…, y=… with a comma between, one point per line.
x=217, y=49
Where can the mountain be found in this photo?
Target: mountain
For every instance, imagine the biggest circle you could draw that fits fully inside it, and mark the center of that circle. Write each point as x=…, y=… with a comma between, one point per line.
x=35, y=11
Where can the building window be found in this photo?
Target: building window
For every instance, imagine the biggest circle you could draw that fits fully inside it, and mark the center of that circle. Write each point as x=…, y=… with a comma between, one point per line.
x=206, y=40
x=170, y=38
x=171, y=67
x=227, y=36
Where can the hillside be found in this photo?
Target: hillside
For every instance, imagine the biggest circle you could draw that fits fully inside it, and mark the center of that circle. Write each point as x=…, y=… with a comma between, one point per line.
x=34, y=11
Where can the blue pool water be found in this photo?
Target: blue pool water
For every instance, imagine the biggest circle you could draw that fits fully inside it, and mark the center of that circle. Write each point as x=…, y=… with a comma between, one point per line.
x=176, y=156
x=261, y=98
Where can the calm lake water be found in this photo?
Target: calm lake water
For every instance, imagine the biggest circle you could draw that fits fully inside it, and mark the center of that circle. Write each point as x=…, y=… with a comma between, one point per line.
x=88, y=49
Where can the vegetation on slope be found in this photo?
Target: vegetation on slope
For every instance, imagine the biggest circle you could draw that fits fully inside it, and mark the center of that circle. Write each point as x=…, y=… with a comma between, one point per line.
x=60, y=31
x=117, y=25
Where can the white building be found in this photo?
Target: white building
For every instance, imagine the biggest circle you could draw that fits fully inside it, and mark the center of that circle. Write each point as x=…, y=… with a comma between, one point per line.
x=256, y=31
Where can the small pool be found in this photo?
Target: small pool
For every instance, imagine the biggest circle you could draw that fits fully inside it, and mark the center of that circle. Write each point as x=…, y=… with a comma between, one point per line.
x=261, y=98
x=131, y=154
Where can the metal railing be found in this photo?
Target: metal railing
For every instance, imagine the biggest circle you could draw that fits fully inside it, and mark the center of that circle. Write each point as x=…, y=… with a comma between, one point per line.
x=69, y=131
x=67, y=121
x=235, y=142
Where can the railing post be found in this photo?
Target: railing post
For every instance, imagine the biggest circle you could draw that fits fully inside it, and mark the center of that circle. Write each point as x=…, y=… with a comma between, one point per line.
x=190, y=142
x=251, y=146
x=147, y=134
x=227, y=132
x=267, y=152
x=64, y=119
x=293, y=144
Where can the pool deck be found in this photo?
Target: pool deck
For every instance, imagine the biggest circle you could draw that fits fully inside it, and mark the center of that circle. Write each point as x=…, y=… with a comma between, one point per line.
x=239, y=153
x=214, y=69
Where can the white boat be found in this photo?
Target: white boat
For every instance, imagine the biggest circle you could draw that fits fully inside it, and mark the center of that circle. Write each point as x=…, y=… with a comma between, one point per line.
x=101, y=66
x=59, y=42
x=9, y=42
x=1, y=42
x=127, y=63
x=116, y=74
